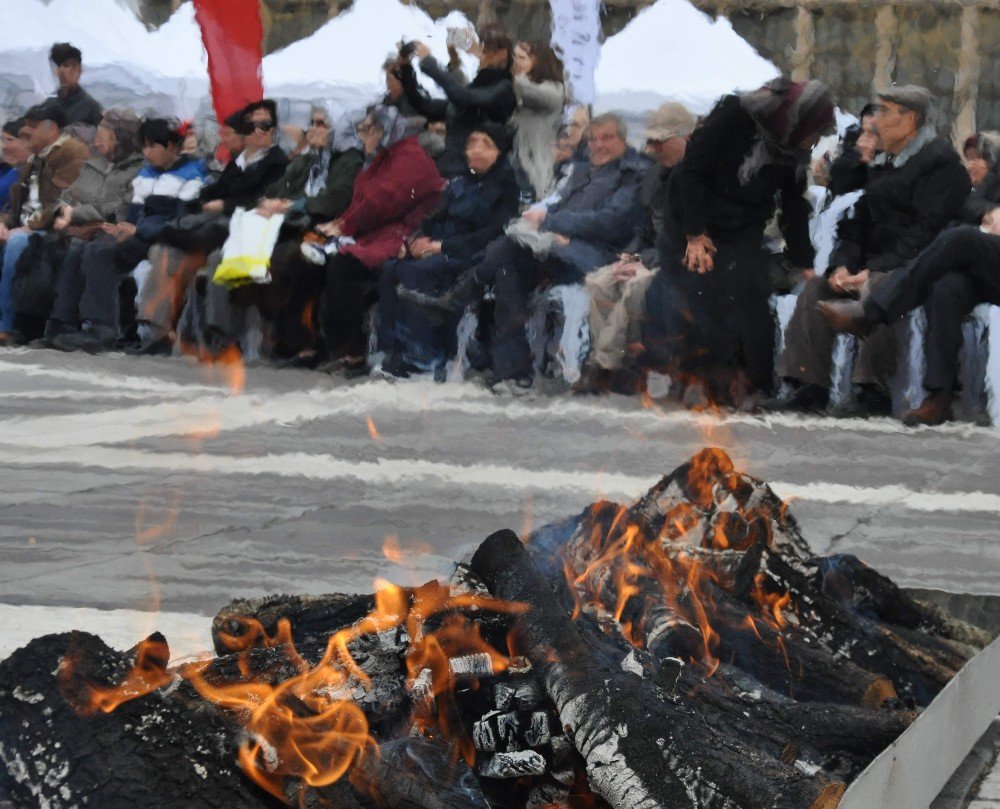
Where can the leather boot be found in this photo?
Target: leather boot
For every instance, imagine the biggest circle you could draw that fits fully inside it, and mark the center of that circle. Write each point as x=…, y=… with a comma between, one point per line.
x=934, y=410
x=465, y=291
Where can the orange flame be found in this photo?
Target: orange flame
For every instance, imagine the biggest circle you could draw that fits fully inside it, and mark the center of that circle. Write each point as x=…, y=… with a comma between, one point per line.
x=148, y=673
x=372, y=431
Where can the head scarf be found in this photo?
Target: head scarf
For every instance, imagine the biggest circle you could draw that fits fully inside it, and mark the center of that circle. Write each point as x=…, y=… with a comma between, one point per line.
x=786, y=112
x=344, y=135
x=392, y=123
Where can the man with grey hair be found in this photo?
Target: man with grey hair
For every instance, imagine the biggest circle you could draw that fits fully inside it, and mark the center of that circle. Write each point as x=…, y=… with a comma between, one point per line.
x=916, y=186
x=589, y=223
x=618, y=290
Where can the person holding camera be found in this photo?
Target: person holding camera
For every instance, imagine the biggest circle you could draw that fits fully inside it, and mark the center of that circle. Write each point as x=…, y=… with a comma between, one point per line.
x=488, y=97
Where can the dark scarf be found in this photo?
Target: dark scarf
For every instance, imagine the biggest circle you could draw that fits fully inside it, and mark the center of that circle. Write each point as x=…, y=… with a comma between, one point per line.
x=785, y=112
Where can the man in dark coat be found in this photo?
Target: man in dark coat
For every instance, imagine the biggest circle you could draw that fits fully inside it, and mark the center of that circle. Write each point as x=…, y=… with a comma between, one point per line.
x=752, y=150
x=590, y=222
x=472, y=213
x=916, y=186
x=488, y=97
x=76, y=103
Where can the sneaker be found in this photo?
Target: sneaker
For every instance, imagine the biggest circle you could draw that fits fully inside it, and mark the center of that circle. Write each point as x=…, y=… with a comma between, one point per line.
x=515, y=386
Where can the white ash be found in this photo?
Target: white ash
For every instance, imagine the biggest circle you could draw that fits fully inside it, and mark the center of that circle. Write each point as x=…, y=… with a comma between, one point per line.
x=474, y=665
x=30, y=697
x=631, y=663
x=422, y=687
x=538, y=733
x=512, y=765
x=808, y=767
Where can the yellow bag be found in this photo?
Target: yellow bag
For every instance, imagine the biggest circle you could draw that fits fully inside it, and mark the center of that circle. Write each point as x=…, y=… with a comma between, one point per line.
x=246, y=255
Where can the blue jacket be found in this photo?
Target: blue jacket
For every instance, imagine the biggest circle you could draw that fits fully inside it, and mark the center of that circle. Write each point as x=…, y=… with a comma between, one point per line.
x=598, y=210
x=162, y=195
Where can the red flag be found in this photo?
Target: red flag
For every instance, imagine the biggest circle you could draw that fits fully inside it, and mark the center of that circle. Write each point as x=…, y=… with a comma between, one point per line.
x=233, y=35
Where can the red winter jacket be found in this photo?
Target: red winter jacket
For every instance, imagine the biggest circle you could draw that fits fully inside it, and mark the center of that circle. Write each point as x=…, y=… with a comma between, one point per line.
x=391, y=197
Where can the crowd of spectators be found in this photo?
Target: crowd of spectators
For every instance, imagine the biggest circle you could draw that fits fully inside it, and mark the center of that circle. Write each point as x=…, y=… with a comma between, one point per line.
x=396, y=221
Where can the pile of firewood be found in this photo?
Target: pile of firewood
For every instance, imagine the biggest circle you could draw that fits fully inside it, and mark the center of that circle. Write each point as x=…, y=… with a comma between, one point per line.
x=685, y=651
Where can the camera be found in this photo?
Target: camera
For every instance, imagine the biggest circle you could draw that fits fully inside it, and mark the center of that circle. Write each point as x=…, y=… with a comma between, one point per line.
x=406, y=49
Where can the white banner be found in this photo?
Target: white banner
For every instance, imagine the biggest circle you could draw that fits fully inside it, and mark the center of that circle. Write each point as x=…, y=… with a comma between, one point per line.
x=576, y=29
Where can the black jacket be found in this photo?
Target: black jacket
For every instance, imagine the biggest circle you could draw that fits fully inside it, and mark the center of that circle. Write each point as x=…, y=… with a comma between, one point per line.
x=706, y=195
x=473, y=212
x=241, y=189
x=79, y=106
x=654, y=195
x=984, y=198
x=488, y=97
x=908, y=200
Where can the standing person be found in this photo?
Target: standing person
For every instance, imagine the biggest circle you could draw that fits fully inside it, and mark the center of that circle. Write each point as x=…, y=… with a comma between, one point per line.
x=619, y=320
x=14, y=153
x=55, y=164
x=541, y=94
x=488, y=97
x=982, y=160
x=752, y=150
x=916, y=186
x=76, y=103
x=397, y=188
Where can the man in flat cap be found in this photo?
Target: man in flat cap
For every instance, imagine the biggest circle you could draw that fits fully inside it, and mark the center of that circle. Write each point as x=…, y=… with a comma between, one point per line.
x=618, y=291
x=55, y=163
x=916, y=186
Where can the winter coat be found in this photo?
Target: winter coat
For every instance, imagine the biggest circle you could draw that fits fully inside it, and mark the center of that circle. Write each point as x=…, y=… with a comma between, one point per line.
x=78, y=106
x=161, y=195
x=473, y=212
x=488, y=97
x=706, y=195
x=391, y=196
x=653, y=194
x=333, y=200
x=537, y=119
x=58, y=167
x=908, y=200
x=103, y=191
x=983, y=199
x=241, y=189
x=597, y=209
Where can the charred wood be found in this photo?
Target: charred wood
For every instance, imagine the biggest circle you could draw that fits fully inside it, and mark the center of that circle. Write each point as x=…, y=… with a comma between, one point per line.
x=643, y=749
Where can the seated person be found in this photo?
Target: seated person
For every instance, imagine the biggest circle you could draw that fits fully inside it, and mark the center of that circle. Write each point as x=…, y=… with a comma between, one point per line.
x=618, y=291
x=587, y=225
x=982, y=159
x=488, y=97
x=397, y=188
x=471, y=214
x=949, y=278
x=916, y=186
x=102, y=194
x=54, y=165
x=14, y=153
x=166, y=186
x=242, y=183
x=317, y=187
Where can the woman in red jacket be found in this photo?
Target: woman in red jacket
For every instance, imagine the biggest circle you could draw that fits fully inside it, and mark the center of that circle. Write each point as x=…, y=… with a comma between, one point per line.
x=397, y=188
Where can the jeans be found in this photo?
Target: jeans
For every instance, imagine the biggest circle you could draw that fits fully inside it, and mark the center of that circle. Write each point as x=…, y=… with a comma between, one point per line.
x=16, y=245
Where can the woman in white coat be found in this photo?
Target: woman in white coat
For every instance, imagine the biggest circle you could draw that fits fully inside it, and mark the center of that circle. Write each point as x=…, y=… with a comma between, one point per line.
x=538, y=82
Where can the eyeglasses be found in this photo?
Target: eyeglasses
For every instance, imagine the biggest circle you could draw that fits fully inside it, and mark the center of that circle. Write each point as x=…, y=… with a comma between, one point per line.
x=319, y=122
x=260, y=126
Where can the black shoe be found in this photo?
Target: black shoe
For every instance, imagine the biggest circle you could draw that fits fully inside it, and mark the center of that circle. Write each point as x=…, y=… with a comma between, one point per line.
x=354, y=369
x=396, y=366
x=151, y=348
x=873, y=402
x=804, y=399
x=310, y=360
x=593, y=380
x=86, y=340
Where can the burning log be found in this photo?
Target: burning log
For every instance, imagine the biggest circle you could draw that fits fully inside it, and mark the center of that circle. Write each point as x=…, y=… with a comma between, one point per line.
x=642, y=749
x=918, y=663
x=154, y=745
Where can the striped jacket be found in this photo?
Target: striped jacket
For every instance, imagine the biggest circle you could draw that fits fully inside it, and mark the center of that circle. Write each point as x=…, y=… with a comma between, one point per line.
x=162, y=195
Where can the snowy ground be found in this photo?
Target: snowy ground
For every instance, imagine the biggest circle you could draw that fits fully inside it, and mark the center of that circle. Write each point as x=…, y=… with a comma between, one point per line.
x=145, y=487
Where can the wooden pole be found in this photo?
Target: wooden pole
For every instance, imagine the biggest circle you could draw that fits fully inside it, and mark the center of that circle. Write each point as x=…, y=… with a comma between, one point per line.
x=886, y=27
x=967, y=78
x=805, y=44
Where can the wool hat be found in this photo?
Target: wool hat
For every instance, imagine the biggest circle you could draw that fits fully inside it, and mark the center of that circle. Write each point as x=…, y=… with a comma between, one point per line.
x=911, y=96
x=496, y=133
x=669, y=121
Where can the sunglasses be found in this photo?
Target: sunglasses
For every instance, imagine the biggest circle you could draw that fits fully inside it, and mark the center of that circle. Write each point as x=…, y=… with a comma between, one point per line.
x=260, y=126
